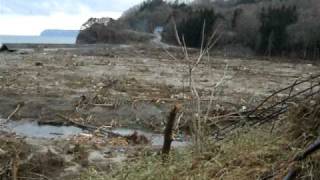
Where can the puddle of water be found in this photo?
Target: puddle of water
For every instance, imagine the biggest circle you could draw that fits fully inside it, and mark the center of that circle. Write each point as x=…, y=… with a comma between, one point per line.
x=156, y=139
x=32, y=129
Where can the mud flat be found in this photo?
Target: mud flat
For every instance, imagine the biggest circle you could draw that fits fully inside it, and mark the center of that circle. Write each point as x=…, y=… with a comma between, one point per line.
x=128, y=85
x=63, y=151
x=121, y=87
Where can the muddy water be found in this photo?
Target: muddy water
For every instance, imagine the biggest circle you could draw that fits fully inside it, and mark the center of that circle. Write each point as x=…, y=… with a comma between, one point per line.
x=156, y=139
x=31, y=129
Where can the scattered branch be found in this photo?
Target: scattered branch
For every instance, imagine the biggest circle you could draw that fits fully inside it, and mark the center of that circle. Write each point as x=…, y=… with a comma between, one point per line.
x=15, y=165
x=15, y=111
x=310, y=150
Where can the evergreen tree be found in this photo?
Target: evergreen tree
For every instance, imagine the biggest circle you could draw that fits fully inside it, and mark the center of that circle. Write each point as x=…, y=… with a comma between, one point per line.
x=191, y=28
x=273, y=30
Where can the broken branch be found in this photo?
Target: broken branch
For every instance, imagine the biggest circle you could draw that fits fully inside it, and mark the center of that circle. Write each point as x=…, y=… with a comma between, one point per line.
x=15, y=111
x=169, y=130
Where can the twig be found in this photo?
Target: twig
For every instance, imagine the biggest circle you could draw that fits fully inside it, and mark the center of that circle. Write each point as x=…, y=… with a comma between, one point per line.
x=176, y=32
x=15, y=166
x=82, y=126
x=40, y=176
x=87, y=127
x=177, y=123
x=103, y=105
x=284, y=89
x=203, y=35
x=15, y=111
x=259, y=115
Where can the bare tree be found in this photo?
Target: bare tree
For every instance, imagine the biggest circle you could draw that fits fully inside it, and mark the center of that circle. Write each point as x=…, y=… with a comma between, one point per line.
x=199, y=115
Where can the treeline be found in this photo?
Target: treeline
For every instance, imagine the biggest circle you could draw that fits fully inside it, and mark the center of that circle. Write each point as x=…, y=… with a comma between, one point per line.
x=273, y=36
x=281, y=28
x=153, y=13
x=200, y=23
x=267, y=27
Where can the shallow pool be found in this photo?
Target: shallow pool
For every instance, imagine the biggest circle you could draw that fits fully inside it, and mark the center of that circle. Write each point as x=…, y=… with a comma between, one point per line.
x=33, y=130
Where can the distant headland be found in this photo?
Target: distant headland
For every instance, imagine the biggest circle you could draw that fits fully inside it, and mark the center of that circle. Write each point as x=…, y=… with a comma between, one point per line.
x=59, y=33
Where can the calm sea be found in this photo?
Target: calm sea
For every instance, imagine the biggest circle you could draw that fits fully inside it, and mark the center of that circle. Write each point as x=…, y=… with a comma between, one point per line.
x=37, y=40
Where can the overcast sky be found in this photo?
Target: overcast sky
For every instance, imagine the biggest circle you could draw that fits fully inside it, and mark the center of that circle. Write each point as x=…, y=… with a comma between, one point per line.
x=30, y=17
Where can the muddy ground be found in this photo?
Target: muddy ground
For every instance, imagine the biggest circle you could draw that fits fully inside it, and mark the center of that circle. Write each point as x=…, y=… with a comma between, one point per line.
x=130, y=86
x=138, y=83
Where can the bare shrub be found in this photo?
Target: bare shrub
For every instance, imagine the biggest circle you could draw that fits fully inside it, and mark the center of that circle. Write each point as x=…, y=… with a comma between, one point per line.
x=199, y=120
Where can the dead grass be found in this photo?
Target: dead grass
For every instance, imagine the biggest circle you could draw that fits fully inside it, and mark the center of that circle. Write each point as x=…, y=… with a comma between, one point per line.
x=244, y=156
x=17, y=154
x=250, y=153
x=303, y=122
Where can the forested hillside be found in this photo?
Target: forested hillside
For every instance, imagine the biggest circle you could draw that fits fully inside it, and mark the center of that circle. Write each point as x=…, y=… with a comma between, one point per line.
x=267, y=27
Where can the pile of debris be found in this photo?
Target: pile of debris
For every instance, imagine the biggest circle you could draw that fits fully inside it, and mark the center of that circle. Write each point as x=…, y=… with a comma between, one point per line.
x=274, y=106
x=298, y=106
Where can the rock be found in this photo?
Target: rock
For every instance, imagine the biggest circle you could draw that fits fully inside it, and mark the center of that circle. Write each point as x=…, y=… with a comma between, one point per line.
x=101, y=85
x=95, y=156
x=38, y=64
x=5, y=48
x=2, y=152
x=49, y=150
x=243, y=109
x=72, y=169
x=180, y=96
x=86, y=135
x=107, y=151
x=118, y=159
x=136, y=138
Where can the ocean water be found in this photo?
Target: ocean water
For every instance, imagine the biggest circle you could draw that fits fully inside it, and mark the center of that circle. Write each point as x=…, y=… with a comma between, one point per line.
x=37, y=40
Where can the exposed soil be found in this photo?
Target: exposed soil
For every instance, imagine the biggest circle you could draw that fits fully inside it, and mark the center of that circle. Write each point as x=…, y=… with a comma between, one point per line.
x=52, y=81
x=121, y=86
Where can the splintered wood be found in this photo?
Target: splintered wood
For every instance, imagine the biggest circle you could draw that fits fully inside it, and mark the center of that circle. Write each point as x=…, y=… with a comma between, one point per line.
x=169, y=129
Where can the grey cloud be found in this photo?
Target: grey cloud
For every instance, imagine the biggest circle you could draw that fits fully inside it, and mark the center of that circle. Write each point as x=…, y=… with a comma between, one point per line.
x=47, y=7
